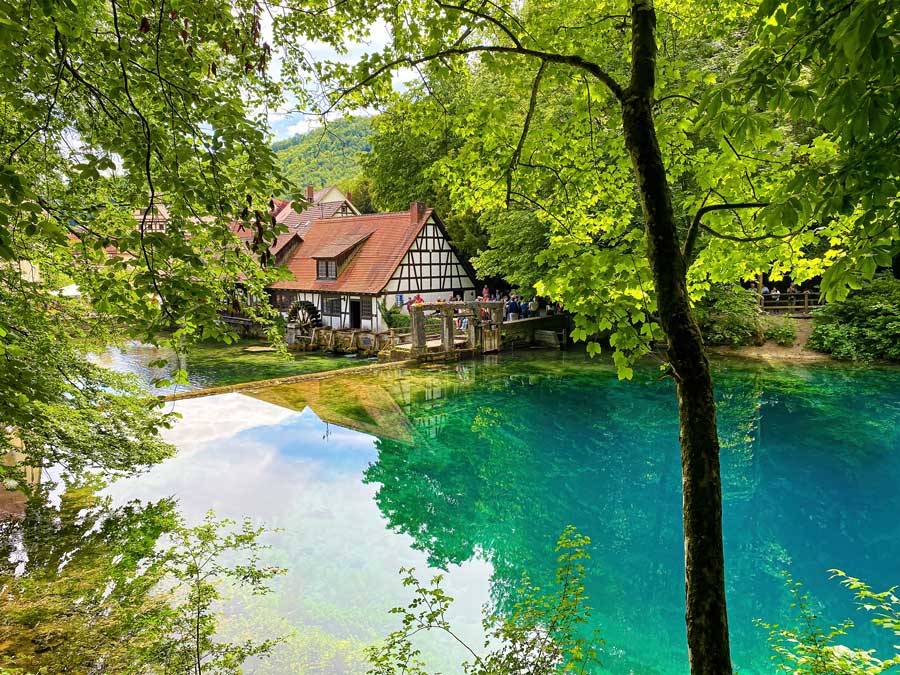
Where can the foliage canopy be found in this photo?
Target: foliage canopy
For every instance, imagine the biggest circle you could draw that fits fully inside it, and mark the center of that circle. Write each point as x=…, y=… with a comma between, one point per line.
x=770, y=150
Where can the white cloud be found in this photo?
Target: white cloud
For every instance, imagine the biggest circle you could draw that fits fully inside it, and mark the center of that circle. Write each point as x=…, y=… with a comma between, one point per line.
x=303, y=125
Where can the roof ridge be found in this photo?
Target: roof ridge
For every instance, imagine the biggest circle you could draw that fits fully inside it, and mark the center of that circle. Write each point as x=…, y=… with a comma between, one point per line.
x=387, y=214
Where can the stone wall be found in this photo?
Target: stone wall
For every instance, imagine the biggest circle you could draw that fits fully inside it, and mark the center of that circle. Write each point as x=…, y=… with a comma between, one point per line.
x=344, y=341
x=522, y=332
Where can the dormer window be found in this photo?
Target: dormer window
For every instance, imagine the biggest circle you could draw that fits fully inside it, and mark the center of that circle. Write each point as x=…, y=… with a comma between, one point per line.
x=333, y=256
x=326, y=269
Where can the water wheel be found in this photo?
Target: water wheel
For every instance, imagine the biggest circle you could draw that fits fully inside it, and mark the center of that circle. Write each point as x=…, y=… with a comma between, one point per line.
x=305, y=314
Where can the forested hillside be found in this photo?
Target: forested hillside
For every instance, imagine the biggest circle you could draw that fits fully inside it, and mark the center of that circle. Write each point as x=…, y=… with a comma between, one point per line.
x=325, y=155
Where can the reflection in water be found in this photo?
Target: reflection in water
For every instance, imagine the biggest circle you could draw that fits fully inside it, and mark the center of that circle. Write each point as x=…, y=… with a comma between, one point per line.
x=213, y=364
x=293, y=471
x=477, y=469
x=134, y=357
x=19, y=478
x=501, y=459
x=76, y=589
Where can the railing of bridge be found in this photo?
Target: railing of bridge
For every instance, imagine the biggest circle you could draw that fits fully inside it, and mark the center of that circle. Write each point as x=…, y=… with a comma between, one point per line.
x=801, y=302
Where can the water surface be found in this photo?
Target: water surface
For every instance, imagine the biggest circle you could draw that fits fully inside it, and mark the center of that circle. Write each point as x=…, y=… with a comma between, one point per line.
x=477, y=468
x=216, y=364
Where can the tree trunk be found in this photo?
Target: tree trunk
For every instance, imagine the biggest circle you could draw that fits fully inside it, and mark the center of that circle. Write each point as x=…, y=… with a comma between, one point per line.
x=706, y=616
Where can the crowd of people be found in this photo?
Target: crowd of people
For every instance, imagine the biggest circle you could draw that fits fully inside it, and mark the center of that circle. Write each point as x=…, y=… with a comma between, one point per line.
x=774, y=298
x=515, y=306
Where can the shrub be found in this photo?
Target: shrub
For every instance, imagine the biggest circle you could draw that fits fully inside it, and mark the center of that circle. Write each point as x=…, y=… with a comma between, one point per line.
x=864, y=327
x=729, y=315
x=544, y=633
x=783, y=332
x=813, y=649
x=393, y=316
x=398, y=320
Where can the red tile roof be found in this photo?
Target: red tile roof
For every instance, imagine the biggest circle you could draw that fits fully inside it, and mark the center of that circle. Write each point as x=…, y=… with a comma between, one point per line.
x=283, y=240
x=389, y=236
x=246, y=235
x=303, y=220
x=340, y=244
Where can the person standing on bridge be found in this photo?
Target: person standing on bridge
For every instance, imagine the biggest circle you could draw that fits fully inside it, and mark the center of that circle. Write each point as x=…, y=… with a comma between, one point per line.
x=514, y=311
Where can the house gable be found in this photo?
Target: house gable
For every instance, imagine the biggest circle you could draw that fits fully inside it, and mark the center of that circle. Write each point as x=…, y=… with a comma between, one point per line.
x=328, y=194
x=430, y=265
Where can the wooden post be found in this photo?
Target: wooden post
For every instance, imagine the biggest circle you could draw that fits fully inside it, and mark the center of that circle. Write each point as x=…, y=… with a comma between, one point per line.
x=448, y=329
x=805, y=301
x=417, y=327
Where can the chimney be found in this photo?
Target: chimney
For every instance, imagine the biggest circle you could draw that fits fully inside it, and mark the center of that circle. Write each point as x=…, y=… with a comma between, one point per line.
x=416, y=211
x=349, y=197
x=309, y=193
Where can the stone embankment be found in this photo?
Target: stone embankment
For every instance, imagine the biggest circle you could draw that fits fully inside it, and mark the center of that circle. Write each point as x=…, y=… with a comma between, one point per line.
x=260, y=384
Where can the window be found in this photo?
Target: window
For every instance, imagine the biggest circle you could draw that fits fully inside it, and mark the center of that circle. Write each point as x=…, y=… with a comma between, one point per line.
x=365, y=307
x=326, y=269
x=332, y=305
x=283, y=299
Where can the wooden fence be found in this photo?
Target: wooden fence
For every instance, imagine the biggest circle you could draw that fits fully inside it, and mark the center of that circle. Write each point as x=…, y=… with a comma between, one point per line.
x=795, y=303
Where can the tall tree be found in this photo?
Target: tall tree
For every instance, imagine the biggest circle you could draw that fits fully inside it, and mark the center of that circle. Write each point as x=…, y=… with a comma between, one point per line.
x=718, y=185
x=119, y=116
x=409, y=141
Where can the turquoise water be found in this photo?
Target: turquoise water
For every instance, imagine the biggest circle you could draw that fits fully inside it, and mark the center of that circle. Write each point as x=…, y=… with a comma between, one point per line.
x=477, y=468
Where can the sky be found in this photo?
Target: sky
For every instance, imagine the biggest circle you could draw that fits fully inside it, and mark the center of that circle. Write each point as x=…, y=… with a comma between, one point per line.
x=285, y=122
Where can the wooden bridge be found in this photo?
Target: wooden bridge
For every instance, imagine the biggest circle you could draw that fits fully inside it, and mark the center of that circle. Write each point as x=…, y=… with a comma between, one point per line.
x=466, y=328
x=792, y=304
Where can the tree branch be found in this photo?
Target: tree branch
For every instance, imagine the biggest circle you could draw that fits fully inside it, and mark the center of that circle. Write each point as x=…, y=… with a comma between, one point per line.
x=148, y=155
x=691, y=237
x=573, y=60
x=517, y=153
x=643, y=49
x=487, y=17
x=686, y=98
x=697, y=225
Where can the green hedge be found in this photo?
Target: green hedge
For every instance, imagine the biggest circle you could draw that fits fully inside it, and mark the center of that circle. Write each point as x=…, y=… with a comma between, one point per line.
x=864, y=327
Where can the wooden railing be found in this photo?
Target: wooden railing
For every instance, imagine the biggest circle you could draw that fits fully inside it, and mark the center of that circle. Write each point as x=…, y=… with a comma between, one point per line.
x=803, y=301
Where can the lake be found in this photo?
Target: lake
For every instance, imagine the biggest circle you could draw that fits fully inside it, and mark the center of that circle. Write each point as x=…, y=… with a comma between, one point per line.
x=476, y=468
x=215, y=364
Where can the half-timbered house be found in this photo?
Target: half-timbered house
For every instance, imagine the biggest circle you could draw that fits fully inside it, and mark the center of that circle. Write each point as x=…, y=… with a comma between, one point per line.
x=348, y=266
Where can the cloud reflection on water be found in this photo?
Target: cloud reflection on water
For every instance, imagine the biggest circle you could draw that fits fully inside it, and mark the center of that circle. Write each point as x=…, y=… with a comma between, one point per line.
x=240, y=456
